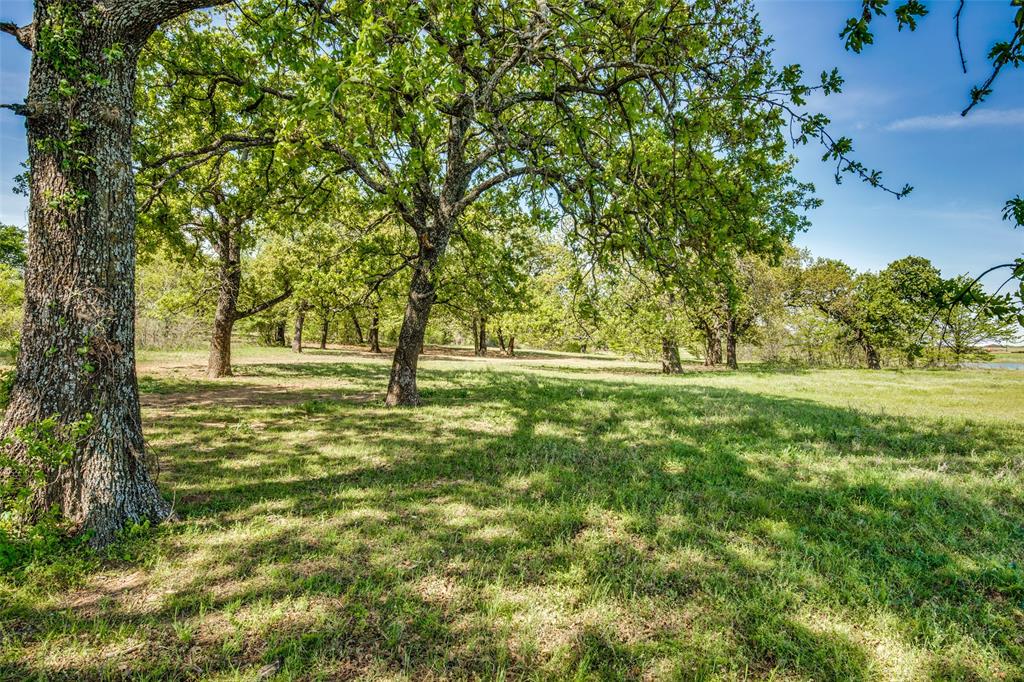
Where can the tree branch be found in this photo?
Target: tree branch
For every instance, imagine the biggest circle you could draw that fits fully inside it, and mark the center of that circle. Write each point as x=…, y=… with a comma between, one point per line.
x=256, y=309
x=137, y=19
x=25, y=35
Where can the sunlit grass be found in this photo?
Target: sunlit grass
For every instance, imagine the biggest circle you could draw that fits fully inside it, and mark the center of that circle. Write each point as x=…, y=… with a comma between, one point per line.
x=551, y=518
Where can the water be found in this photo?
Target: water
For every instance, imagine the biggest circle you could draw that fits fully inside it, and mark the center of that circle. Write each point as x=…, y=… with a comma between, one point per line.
x=993, y=365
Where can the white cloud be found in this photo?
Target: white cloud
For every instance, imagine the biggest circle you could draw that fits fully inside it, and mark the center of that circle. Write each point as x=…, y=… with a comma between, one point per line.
x=975, y=119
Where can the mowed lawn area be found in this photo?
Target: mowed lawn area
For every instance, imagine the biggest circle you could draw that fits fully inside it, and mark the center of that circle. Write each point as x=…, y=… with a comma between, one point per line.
x=552, y=517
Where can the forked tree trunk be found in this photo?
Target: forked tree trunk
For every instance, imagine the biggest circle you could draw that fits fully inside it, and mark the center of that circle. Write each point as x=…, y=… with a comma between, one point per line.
x=402, y=388
x=374, y=335
x=670, y=362
x=77, y=355
x=300, y=320
x=355, y=323
x=730, y=344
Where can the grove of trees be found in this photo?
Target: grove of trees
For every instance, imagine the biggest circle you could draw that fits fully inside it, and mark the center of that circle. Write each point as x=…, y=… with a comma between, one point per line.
x=572, y=176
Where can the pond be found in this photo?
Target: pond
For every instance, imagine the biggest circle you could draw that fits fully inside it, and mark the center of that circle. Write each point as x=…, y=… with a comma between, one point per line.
x=994, y=365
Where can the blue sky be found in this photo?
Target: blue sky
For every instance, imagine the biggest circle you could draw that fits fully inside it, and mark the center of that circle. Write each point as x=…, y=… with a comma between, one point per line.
x=900, y=105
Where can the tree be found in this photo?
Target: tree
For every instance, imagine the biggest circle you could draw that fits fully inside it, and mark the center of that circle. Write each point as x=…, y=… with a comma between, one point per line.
x=886, y=310
x=966, y=326
x=214, y=200
x=77, y=353
x=832, y=287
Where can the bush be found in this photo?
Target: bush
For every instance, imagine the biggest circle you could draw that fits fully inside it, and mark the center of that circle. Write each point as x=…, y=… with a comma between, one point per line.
x=25, y=532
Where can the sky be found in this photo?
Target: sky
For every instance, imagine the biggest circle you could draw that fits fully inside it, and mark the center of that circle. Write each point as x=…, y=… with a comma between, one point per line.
x=900, y=104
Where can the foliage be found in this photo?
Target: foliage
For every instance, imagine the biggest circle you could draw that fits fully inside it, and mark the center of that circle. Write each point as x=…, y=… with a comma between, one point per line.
x=12, y=247
x=27, y=457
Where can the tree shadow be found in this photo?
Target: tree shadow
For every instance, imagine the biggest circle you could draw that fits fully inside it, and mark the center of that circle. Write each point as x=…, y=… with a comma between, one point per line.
x=524, y=524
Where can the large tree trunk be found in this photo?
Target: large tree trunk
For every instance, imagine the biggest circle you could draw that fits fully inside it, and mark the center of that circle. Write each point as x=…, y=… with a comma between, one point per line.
x=355, y=323
x=730, y=344
x=300, y=320
x=422, y=292
x=229, y=275
x=374, y=335
x=670, y=362
x=77, y=354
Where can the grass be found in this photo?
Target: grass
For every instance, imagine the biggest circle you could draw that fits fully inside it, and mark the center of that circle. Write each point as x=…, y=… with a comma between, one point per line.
x=553, y=518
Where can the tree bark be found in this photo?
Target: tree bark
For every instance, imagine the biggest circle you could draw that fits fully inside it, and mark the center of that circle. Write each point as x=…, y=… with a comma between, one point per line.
x=670, y=362
x=355, y=323
x=325, y=328
x=300, y=320
x=481, y=342
x=374, y=335
x=77, y=354
x=712, y=346
x=229, y=275
x=402, y=388
x=730, y=344
x=874, y=360
x=501, y=340
x=476, y=336
x=511, y=346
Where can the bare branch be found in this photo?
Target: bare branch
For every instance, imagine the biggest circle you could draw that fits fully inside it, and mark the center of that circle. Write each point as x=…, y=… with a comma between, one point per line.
x=25, y=35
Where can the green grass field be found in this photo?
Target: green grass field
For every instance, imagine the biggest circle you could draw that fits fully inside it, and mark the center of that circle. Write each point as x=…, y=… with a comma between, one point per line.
x=553, y=517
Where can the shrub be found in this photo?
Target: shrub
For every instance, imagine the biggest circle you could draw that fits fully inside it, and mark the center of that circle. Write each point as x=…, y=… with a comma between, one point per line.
x=25, y=532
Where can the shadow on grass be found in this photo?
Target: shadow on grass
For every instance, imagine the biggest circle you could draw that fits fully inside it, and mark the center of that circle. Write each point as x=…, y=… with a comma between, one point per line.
x=527, y=525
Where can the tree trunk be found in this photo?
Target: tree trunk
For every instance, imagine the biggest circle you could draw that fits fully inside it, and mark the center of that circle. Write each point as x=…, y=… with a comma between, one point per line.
x=229, y=276
x=355, y=323
x=670, y=362
x=476, y=336
x=501, y=340
x=77, y=355
x=300, y=320
x=730, y=345
x=481, y=343
x=511, y=346
x=374, y=336
x=325, y=328
x=422, y=292
x=712, y=346
x=874, y=360
x=280, y=338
